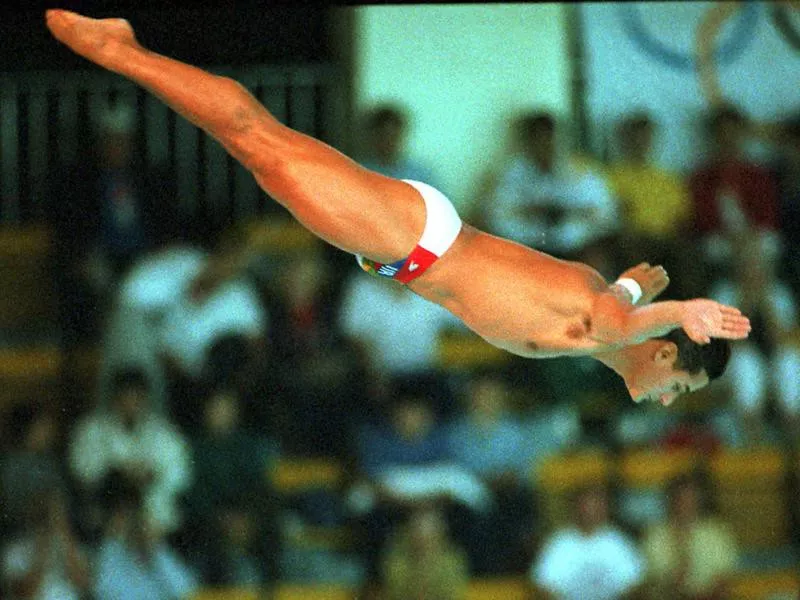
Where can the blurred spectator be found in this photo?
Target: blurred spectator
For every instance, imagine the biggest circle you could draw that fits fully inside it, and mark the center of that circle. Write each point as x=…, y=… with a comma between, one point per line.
x=422, y=563
x=217, y=301
x=107, y=211
x=131, y=438
x=133, y=332
x=404, y=463
x=543, y=201
x=396, y=332
x=316, y=369
x=591, y=559
x=736, y=213
x=32, y=465
x=691, y=556
x=767, y=364
x=133, y=560
x=44, y=560
x=734, y=199
x=196, y=310
x=492, y=444
x=385, y=133
x=654, y=204
x=788, y=172
x=230, y=508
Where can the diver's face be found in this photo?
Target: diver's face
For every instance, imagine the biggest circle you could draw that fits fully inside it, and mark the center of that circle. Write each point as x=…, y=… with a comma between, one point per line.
x=654, y=378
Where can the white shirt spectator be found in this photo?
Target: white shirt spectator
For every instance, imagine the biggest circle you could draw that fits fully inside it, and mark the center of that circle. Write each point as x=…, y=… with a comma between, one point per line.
x=190, y=328
x=600, y=566
x=120, y=574
x=751, y=374
x=101, y=443
x=19, y=559
x=158, y=288
x=590, y=211
x=159, y=280
x=400, y=327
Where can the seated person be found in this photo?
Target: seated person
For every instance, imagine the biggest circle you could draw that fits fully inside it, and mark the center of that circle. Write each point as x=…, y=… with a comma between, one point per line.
x=590, y=559
x=421, y=562
x=31, y=464
x=691, y=555
x=130, y=437
x=544, y=201
x=231, y=512
x=403, y=463
x=386, y=128
x=133, y=561
x=654, y=204
x=43, y=559
x=492, y=445
x=765, y=366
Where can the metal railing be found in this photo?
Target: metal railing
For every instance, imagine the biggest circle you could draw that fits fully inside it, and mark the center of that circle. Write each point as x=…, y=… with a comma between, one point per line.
x=46, y=120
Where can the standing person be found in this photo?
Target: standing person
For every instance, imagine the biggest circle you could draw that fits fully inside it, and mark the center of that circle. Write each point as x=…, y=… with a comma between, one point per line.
x=515, y=297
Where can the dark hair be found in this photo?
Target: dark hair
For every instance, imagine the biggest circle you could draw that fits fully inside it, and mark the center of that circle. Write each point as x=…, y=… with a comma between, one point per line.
x=791, y=127
x=695, y=479
x=532, y=123
x=21, y=417
x=117, y=491
x=636, y=122
x=693, y=358
x=129, y=378
x=577, y=495
x=723, y=114
x=385, y=114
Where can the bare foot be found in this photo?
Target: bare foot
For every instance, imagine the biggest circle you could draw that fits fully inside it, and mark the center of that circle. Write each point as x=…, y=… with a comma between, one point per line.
x=98, y=40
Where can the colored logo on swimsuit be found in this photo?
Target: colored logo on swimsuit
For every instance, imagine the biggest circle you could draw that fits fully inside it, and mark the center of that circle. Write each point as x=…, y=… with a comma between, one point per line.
x=418, y=262
x=387, y=270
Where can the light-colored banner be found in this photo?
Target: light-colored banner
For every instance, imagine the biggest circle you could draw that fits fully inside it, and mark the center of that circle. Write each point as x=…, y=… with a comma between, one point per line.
x=657, y=57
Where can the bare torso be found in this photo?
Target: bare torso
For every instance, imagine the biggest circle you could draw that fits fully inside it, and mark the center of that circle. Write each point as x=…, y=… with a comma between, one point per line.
x=516, y=298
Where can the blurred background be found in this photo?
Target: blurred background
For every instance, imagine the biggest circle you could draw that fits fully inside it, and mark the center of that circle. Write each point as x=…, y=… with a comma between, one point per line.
x=200, y=400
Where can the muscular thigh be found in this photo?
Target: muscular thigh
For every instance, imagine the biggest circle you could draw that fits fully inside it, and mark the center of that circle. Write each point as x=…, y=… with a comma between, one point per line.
x=351, y=207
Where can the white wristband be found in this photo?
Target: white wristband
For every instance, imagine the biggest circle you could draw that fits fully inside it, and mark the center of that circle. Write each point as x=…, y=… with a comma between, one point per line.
x=632, y=286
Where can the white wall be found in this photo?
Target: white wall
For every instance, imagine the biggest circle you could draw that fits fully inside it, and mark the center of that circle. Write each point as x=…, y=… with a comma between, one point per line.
x=461, y=70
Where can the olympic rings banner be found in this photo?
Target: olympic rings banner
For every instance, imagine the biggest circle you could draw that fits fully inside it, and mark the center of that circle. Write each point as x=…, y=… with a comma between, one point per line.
x=644, y=56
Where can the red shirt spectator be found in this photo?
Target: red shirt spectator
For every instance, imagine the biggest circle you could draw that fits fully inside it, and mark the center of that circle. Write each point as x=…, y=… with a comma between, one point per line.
x=753, y=186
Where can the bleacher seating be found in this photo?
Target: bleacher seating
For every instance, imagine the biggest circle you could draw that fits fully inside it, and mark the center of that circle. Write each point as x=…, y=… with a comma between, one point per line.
x=278, y=236
x=510, y=588
x=296, y=475
x=29, y=375
x=464, y=350
x=27, y=302
x=653, y=469
x=751, y=492
x=773, y=585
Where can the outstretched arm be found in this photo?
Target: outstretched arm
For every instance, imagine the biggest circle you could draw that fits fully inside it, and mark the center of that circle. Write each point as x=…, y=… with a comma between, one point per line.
x=618, y=323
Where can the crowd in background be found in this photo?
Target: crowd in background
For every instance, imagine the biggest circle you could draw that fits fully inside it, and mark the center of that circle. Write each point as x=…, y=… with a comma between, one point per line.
x=217, y=362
